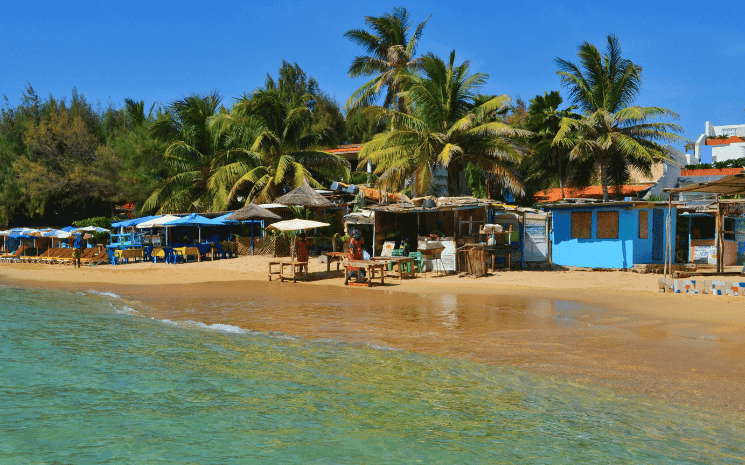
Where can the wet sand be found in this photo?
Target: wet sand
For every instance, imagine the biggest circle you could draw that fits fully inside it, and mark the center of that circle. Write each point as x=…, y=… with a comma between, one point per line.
x=608, y=328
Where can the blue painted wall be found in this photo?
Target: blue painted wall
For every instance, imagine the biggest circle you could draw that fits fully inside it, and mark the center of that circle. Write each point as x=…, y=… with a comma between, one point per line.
x=624, y=252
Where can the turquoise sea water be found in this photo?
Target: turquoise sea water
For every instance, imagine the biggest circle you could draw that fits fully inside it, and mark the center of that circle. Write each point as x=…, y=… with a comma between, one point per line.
x=85, y=380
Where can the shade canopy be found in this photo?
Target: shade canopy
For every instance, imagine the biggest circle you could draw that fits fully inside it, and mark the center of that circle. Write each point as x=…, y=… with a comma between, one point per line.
x=296, y=225
x=304, y=196
x=134, y=221
x=194, y=220
x=22, y=233
x=158, y=222
x=92, y=229
x=252, y=212
x=728, y=185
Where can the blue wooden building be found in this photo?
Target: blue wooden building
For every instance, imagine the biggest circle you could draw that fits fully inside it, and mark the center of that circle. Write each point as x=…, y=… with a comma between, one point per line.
x=609, y=235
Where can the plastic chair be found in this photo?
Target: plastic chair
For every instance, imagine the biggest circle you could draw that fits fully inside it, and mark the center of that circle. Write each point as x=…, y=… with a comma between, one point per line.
x=417, y=256
x=112, y=258
x=148, y=254
x=219, y=249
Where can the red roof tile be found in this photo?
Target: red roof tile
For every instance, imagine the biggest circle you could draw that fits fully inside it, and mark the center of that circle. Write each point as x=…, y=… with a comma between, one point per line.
x=711, y=172
x=592, y=192
x=724, y=140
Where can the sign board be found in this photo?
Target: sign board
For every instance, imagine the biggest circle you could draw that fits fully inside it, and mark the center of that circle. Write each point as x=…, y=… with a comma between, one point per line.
x=388, y=247
x=447, y=256
x=705, y=254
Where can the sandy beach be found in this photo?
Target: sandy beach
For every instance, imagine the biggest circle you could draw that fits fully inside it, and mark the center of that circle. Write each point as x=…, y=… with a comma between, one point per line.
x=610, y=328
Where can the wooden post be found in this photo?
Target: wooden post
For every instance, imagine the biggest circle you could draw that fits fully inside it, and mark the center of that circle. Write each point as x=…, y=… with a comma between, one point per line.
x=720, y=265
x=668, y=247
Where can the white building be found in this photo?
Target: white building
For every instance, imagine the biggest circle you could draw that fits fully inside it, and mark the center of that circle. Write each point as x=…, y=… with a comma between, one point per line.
x=727, y=142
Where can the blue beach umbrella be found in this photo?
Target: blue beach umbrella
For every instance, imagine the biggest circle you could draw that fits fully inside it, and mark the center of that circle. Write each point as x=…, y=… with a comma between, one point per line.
x=196, y=220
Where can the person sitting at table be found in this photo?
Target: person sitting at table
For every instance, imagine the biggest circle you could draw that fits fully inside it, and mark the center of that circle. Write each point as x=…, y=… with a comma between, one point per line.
x=355, y=253
x=404, y=246
x=302, y=248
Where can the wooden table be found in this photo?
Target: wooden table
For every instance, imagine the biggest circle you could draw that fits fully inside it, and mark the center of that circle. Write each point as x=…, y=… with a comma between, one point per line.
x=126, y=254
x=371, y=266
x=337, y=257
x=187, y=252
x=274, y=271
x=295, y=270
x=400, y=261
x=280, y=269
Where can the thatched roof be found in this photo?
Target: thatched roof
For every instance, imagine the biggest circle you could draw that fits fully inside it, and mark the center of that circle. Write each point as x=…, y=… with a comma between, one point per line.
x=304, y=196
x=253, y=212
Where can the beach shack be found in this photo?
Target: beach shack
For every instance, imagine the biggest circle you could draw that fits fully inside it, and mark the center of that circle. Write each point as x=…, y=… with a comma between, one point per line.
x=452, y=225
x=610, y=234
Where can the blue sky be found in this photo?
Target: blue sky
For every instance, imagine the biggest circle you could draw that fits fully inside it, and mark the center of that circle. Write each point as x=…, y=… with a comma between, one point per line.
x=693, y=55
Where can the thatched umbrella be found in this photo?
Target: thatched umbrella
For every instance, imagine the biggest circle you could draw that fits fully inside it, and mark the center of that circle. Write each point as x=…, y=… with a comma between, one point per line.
x=304, y=196
x=252, y=212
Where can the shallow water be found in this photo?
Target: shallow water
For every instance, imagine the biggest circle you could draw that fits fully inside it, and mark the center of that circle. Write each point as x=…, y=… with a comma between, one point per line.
x=87, y=379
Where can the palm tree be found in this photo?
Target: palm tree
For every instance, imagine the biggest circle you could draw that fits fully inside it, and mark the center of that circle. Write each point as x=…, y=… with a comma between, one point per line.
x=390, y=52
x=194, y=154
x=281, y=151
x=548, y=161
x=613, y=135
x=445, y=130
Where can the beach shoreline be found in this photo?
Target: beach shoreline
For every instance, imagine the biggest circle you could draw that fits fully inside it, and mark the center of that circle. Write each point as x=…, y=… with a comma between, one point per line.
x=624, y=333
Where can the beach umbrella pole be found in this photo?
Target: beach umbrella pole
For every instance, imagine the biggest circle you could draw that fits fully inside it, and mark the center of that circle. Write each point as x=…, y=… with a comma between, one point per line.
x=252, y=237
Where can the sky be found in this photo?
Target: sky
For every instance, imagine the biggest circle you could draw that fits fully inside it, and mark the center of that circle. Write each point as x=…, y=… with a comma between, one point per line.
x=692, y=55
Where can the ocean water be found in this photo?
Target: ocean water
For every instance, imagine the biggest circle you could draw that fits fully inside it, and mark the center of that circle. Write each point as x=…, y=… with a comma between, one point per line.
x=85, y=379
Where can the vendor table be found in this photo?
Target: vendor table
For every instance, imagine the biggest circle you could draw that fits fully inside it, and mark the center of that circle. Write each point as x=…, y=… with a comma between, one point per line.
x=501, y=250
x=434, y=254
x=400, y=262
x=370, y=266
x=337, y=257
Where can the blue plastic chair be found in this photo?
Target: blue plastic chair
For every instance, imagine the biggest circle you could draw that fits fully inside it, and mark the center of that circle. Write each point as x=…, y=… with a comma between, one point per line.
x=204, y=249
x=148, y=254
x=219, y=249
x=112, y=258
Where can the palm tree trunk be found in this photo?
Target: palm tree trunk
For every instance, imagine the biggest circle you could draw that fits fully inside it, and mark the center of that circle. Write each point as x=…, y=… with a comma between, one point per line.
x=604, y=180
x=561, y=182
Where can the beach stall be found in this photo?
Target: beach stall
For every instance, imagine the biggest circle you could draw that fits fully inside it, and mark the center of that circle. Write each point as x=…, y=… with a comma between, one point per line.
x=716, y=225
x=610, y=234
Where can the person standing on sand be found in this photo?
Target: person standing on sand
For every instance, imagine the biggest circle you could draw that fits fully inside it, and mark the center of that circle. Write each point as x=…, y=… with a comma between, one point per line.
x=77, y=250
x=355, y=253
x=303, y=247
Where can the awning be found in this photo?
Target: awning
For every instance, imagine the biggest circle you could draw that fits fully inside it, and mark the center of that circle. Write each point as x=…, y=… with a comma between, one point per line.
x=728, y=185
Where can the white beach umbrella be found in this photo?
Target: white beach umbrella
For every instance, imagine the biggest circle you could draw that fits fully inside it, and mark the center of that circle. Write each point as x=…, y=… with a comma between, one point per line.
x=161, y=222
x=296, y=225
x=157, y=222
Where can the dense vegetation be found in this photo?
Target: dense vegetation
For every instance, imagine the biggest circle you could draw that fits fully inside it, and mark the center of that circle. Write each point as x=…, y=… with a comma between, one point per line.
x=427, y=127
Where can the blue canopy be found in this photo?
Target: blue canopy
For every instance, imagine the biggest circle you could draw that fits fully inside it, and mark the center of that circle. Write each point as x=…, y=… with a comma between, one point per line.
x=133, y=221
x=223, y=219
x=195, y=220
x=69, y=229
